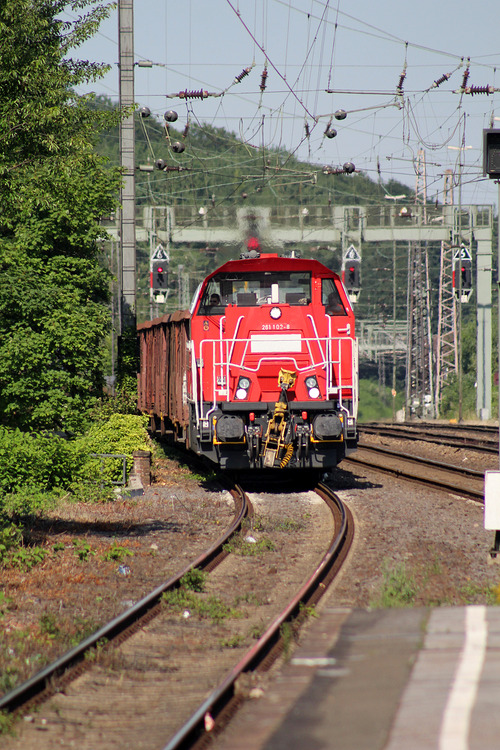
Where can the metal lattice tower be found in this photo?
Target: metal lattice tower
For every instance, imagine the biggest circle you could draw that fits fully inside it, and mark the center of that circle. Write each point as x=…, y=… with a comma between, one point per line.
x=447, y=334
x=419, y=370
x=419, y=375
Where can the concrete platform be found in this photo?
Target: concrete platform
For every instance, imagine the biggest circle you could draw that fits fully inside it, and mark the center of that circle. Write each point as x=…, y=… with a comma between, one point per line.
x=406, y=679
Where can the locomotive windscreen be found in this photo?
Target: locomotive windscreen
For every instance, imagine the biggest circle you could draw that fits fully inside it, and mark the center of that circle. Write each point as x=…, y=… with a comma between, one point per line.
x=330, y=298
x=253, y=288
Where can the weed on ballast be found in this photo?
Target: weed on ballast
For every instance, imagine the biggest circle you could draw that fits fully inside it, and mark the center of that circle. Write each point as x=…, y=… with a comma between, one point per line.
x=190, y=599
x=249, y=547
x=116, y=552
x=283, y=524
x=49, y=624
x=194, y=580
x=233, y=641
x=308, y=611
x=192, y=603
x=398, y=589
x=26, y=558
x=474, y=593
x=7, y=723
x=286, y=633
x=82, y=549
x=5, y=602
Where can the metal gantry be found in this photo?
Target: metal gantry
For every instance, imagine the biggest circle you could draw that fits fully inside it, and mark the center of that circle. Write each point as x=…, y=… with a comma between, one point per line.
x=282, y=227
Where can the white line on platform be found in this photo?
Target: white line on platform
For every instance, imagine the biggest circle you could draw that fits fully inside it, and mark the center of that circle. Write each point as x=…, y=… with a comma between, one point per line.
x=456, y=720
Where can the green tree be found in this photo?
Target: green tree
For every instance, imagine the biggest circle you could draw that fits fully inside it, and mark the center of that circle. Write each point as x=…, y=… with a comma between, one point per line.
x=54, y=190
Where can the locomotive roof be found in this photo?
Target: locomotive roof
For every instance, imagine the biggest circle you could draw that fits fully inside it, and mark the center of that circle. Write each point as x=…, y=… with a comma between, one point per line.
x=274, y=262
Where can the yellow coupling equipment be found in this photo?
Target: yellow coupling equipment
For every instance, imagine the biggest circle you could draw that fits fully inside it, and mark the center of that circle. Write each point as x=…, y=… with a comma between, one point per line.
x=274, y=445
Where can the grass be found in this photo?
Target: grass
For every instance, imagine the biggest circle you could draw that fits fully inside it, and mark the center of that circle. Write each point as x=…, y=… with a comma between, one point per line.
x=239, y=546
x=402, y=587
x=205, y=607
x=398, y=589
x=82, y=549
x=190, y=598
x=7, y=723
x=117, y=552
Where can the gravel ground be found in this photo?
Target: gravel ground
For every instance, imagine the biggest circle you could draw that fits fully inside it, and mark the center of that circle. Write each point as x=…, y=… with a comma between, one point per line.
x=405, y=534
x=140, y=694
x=419, y=546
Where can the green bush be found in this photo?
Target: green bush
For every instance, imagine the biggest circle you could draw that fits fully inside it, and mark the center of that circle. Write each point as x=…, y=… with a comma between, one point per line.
x=42, y=461
x=376, y=402
x=121, y=433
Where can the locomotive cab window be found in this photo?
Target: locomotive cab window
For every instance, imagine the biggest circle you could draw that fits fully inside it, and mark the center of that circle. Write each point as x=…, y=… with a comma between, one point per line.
x=211, y=302
x=330, y=298
x=253, y=289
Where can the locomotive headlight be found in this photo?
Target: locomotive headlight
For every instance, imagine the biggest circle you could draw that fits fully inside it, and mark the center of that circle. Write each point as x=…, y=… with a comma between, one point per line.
x=312, y=387
x=242, y=389
x=275, y=313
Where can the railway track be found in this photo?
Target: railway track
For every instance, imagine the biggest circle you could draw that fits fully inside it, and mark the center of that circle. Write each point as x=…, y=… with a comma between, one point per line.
x=460, y=480
x=224, y=699
x=220, y=705
x=68, y=666
x=482, y=438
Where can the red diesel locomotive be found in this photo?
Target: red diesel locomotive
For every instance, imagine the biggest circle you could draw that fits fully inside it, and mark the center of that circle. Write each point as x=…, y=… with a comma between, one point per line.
x=262, y=372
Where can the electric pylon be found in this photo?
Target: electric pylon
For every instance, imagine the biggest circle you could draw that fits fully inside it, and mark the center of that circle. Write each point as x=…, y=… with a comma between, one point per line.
x=419, y=370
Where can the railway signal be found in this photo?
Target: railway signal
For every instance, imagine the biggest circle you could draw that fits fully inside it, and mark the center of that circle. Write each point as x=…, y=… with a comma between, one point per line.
x=159, y=275
x=462, y=275
x=351, y=273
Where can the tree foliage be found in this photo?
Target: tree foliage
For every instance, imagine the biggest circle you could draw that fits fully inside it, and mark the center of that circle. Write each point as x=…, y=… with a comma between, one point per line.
x=54, y=189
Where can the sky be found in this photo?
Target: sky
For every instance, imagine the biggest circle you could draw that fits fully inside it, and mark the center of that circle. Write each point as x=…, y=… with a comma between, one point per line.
x=357, y=50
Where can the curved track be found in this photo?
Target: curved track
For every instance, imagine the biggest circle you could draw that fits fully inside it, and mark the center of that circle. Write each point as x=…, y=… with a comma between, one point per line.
x=69, y=665
x=223, y=701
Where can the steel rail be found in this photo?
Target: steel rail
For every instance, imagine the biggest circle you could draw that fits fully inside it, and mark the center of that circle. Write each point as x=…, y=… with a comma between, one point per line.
x=33, y=687
x=218, y=702
x=406, y=433
x=412, y=458
x=442, y=483
x=435, y=427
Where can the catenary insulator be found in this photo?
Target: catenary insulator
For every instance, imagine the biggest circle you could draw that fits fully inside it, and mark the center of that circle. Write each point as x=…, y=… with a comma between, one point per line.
x=349, y=167
x=199, y=94
x=480, y=90
x=307, y=131
x=144, y=111
x=330, y=132
x=160, y=164
x=466, y=76
x=332, y=170
x=441, y=80
x=263, y=79
x=242, y=75
x=340, y=114
x=170, y=115
x=186, y=130
x=178, y=147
